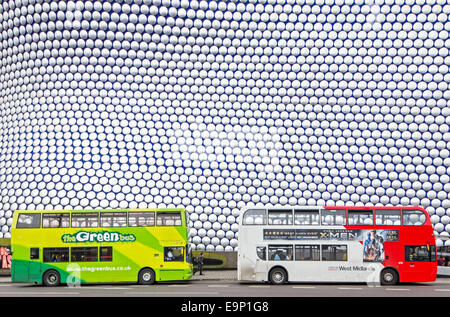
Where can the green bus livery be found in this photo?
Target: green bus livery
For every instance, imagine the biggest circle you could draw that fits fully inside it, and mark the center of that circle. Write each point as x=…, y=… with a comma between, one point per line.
x=100, y=246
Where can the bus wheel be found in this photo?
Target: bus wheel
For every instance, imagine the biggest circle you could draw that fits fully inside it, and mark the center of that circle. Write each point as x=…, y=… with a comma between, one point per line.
x=146, y=277
x=278, y=276
x=51, y=278
x=389, y=277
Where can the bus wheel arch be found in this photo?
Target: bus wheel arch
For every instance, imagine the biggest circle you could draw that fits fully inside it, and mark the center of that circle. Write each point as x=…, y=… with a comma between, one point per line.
x=278, y=275
x=389, y=276
x=146, y=276
x=51, y=277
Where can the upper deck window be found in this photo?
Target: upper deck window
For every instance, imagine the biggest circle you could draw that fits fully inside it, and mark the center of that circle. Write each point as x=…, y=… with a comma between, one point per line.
x=113, y=219
x=168, y=219
x=255, y=217
x=85, y=220
x=360, y=217
x=413, y=218
x=141, y=219
x=56, y=220
x=387, y=217
x=29, y=220
x=306, y=217
x=280, y=217
x=333, y=217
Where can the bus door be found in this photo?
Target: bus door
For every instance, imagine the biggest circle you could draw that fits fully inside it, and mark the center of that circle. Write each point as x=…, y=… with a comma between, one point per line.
x=260, y=265
x=27, y=270
x=34, y=268
x=174, y=256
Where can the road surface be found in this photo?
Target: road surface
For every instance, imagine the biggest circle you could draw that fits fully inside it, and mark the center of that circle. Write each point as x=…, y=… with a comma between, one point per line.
x=224, y=284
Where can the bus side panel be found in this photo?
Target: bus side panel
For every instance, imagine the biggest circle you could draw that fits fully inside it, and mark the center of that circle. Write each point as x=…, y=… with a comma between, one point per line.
x=251, y=271
x=35, y=271
x=417, y=272
x=19, y=271
x=172, y=275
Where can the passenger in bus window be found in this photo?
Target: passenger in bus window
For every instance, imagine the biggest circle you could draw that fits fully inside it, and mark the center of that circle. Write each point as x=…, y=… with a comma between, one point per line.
x=277, y=256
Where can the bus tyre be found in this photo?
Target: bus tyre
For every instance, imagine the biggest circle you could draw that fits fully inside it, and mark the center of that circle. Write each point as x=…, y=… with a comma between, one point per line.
x=278, y=276
x=389, y=277
x=51, y=278
x=146, y=277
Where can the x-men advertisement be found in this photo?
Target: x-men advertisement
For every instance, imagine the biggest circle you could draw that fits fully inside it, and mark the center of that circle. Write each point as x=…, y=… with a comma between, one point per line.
x=371, y=239
x=373, y=246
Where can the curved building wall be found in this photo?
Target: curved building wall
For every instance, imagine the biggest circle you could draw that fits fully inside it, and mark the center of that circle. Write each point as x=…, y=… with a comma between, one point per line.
x=217, y=105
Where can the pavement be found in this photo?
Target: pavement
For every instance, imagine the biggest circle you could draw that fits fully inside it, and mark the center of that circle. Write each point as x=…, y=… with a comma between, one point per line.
x=216, y=275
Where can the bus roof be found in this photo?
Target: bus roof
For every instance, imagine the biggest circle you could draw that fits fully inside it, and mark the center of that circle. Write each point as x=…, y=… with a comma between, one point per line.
x=103, y=210
x=330, y=207
x=336, y=207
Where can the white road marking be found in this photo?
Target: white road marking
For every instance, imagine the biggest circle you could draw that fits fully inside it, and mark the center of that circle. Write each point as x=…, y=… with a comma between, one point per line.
x=350, y=288
x=158, y=293
x=218, y=285
x=303, y=287
x=109, y=288
x=397, y=289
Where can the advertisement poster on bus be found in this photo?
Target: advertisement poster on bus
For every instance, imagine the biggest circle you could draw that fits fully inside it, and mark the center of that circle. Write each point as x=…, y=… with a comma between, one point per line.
x=371, y=239
x=326, y=234
x=373, y=245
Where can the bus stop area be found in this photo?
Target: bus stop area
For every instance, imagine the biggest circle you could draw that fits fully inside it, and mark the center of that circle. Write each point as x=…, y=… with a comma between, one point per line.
x=215, y=275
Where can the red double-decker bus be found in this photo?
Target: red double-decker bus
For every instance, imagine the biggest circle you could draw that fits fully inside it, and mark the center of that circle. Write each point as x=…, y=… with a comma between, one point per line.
x=339, y=244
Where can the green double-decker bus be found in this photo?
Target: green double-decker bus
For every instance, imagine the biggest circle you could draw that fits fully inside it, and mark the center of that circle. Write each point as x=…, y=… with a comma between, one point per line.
x=100, y=246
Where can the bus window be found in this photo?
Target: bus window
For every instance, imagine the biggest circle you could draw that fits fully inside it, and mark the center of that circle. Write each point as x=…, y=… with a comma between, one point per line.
x=333, y=217
x=188, y=253
x=306, y=217
x=261, y=253
x=56, y=220
x=307, y=253
x=84, y=254
x=280, y=217
x=255, y=217
x=29, y=220
x=413, y=218
x=56, y=254
x=360, y=217
x=168, y=219
x=334, y=253
x=420, y=253
x=173, y=254
x=34, y=253
x=85, y=220
x=387, y=217
x=280, y=252
x=113, y=219
x=141, y=219
x=105, y=254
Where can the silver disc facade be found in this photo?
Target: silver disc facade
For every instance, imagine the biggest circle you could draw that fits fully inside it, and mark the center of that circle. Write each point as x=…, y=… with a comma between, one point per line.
x=214, y=105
